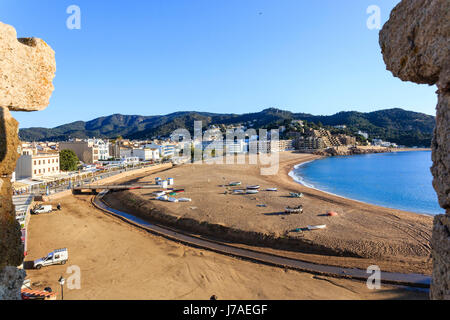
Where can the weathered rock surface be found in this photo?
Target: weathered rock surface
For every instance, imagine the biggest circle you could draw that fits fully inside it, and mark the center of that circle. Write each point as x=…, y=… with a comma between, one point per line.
x=11, y=252
x=415, y=43
x=9, y=142
x=13, y=280
x=27, y=68
x=345, y=151
x=441, y=257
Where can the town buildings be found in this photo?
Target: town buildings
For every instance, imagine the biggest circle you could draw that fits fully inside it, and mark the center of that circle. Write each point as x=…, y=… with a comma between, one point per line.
x=88, y=151
x=143, y=154
x=37, y=165
x=321, y=139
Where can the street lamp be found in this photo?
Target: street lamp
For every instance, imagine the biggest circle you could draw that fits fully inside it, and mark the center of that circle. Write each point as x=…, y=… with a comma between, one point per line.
x=61, y=282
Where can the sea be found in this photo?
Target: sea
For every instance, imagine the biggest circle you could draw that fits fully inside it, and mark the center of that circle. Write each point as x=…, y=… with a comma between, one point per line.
x=398, y=180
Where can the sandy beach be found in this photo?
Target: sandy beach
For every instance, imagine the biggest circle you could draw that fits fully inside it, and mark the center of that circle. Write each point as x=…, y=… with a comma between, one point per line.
x=360, y=236
x=119, y=261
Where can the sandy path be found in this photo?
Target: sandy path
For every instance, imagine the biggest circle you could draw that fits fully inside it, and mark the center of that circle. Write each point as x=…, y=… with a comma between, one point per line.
x=118, y=261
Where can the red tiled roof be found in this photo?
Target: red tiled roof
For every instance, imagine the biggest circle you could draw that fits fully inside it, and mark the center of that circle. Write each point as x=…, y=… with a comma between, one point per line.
x=29, y=293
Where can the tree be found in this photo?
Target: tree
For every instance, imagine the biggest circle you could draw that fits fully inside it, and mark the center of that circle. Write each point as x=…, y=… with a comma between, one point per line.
x=68, y=160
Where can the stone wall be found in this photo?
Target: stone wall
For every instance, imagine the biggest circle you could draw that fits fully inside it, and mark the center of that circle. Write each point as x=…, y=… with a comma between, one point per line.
x=415, y=43
x=27, y=69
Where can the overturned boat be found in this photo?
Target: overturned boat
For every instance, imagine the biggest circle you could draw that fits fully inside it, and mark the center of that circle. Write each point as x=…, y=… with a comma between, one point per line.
x=318, y=227
x=255, y=187
x=294, y=210
x=234, y=184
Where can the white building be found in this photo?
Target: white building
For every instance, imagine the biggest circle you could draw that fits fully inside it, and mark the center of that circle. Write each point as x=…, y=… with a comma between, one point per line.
x=237, y=146
x=145, y=154
x=165, y=150
x=102, y=146
x=36, y=166
x=364, y=134
x=381, y=143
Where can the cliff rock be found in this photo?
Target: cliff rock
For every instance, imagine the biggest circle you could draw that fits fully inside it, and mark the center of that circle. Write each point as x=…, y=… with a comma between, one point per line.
x=415, y=43
x=27, y=68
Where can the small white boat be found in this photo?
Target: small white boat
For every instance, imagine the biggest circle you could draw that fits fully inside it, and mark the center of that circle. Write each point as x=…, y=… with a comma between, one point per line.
x=238, y=191
x=318, y=227
x=295, y=195
x=253, y=187
x=272, y=189
x=159, y=193
x=162, y=198
x=234, y=184
x=184, y=200
x=172, y=199
x=252, y=191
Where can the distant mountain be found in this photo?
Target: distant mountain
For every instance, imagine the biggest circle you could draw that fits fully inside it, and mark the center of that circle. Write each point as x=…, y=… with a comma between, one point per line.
x=395, y=125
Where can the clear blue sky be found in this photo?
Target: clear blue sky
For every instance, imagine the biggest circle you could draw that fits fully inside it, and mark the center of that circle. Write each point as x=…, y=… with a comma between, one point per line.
x=160, y=56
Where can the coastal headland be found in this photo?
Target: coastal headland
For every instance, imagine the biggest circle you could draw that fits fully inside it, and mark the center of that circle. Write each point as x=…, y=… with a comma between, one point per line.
x=361, y=235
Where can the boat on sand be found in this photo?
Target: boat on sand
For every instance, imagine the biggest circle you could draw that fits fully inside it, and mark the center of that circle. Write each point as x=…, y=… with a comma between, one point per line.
x=294, y=210
x=295, y=195
x=318, y=227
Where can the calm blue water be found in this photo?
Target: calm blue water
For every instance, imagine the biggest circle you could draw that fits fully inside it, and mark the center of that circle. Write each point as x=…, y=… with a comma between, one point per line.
x=395, y=180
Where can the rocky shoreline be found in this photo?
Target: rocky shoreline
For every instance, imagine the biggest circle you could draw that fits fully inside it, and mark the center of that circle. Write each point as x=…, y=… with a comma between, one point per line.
x=349, y=151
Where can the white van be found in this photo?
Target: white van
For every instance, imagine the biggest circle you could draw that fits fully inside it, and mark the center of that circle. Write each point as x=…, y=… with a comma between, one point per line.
x=42, y=209
x=59, y=256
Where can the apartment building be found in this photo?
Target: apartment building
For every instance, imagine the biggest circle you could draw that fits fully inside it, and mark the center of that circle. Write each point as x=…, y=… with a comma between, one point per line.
x=86, y=151
x=237, y=146
x=102, y=146
x=165, y=150
x=308, y=143
x=144, y=154
x=38, y=165
x=282, y=145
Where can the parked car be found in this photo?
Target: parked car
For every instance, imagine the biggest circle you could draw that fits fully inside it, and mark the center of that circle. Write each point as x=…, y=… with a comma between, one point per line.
x=42, y=209
x=59, y=256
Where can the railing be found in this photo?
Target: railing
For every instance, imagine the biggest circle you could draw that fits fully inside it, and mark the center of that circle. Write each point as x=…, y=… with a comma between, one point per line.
x=64, y=185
